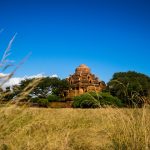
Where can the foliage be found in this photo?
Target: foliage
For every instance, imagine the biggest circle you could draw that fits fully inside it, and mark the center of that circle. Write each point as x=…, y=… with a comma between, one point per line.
x=108, y=99
x=77, y=101
x=59, y=87
x=96, y=100
x=85, y=101
x=53, y=98
x=130, y=86
x=34, y=100
x=48, y=85
x=43, y=102
x=7, y=96
x=89, y=104
x=24, y=83
x=40, y=101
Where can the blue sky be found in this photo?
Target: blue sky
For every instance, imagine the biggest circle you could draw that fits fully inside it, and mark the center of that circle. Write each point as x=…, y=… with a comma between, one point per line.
x=107, y=35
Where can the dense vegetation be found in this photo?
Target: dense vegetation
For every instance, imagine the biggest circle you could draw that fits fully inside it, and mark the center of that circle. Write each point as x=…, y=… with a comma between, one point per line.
x=131, y=87
x=37, y=91
x=96, y=100
x=47, y=85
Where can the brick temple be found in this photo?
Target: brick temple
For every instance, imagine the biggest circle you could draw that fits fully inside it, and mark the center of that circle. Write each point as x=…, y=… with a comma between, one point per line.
x=84, y=81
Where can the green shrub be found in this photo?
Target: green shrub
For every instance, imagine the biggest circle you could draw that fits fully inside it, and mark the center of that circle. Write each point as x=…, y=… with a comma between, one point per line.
x=43, y=102
x=108, y=99
x=85, y=101
x=34, y=100
x=89, y=104
x=76, y=101
x=95, y=95
x=96, y=100
x=53, y=98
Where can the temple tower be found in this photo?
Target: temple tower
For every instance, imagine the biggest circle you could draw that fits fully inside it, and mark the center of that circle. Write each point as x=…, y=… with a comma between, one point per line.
x=84, y=81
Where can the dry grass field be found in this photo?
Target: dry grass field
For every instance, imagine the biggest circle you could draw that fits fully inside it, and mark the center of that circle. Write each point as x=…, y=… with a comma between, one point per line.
x=74, y=129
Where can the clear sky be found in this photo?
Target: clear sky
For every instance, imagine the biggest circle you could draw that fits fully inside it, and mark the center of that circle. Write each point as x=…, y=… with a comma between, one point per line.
x=107, y=35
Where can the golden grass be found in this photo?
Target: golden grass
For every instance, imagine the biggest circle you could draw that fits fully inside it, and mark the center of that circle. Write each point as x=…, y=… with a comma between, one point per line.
x=74, y=129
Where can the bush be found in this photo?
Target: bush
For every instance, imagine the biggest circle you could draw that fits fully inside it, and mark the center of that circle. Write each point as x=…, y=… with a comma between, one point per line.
x=108, y=99
x=96, y=100
x=43, y=102
x=89, y=104
x=34, y=100
x=76, y=101
x=85, y=101
x=53, y=98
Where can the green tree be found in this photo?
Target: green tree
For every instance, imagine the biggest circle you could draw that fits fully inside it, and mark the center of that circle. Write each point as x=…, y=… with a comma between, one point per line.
x=59, y=87
x=47, y=86
x=130, y=86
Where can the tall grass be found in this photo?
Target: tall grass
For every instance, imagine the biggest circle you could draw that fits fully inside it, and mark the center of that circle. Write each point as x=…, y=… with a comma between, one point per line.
x=74, y=129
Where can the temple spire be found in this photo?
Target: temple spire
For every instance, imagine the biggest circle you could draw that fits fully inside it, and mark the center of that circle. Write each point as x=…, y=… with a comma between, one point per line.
x=84, y=81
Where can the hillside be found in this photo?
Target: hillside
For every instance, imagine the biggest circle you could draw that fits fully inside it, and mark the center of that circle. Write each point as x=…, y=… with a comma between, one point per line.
x=74, y=129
